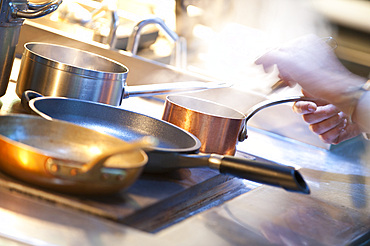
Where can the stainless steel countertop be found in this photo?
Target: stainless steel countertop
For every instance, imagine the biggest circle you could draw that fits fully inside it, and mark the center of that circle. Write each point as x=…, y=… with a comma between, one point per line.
x=337, y=212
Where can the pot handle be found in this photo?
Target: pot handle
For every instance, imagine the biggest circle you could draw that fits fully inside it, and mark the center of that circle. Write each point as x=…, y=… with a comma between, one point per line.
x=37, y=10
x=273, y=174
x=265, y=104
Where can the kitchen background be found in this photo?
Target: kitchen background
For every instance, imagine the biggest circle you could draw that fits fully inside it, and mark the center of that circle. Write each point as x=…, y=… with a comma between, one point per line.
x=223, y=37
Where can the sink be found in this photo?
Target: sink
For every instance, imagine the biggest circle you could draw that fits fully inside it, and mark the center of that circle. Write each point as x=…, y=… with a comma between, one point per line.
x=141, y=70
x=87, y=34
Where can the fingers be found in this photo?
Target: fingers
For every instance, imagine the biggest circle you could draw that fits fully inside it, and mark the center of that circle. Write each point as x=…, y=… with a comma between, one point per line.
x=303, y=107
x=348, y=132
x=331, y=136
x=321, y=114
x=326, y=121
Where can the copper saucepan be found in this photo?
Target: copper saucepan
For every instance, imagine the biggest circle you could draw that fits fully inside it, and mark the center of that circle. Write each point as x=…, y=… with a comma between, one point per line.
x=68, y=158
x=218, y=127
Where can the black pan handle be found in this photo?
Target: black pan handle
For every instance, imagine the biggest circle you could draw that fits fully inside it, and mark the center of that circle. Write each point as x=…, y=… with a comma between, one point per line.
x=261, y=172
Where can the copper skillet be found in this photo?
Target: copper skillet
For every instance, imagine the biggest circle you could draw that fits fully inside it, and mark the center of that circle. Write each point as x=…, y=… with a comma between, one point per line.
x=177, y=148
x=68, y=158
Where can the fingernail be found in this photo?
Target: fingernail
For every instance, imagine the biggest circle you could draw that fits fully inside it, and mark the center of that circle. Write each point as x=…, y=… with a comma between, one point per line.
x=311, y=108
x=345, y=122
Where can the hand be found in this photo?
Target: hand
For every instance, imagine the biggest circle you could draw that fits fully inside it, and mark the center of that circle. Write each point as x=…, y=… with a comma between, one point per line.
x=311, y=63
x=327, y=121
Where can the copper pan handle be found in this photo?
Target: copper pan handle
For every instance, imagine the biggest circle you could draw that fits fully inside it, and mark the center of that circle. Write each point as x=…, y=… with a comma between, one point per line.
x=95, y=170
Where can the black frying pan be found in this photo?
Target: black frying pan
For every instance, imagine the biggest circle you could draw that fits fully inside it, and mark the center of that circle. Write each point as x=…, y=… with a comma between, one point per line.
x=176, y=149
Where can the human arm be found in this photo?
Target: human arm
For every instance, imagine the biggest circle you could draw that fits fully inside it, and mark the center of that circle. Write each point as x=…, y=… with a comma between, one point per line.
x=311, y=63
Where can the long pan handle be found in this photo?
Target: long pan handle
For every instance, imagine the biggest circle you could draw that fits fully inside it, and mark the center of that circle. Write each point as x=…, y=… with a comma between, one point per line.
x=262, y=172
x=170, y=88
x=267, y=173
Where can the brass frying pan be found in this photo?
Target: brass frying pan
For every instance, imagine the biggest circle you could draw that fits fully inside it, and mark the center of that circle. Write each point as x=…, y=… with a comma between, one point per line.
x=68, y=158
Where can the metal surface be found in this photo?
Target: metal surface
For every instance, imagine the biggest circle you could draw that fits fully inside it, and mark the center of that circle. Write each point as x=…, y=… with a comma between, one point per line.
x=175, y=144
x=111, y=8
x=66, y=157
x=56, y=70
x=265, y=104
x=68, y=72
x=133, y=42
x=11, y=14
x=216, y=126
x=335, y=213
x=219, y=128
x=339, y=180
x=170, y=88
x=179, y=56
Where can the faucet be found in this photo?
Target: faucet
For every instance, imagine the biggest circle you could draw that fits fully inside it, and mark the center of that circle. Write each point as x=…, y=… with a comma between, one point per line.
x=111, y=7
x=179, y=60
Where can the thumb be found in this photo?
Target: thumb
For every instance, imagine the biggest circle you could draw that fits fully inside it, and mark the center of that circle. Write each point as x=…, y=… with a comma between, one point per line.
x=303, y=107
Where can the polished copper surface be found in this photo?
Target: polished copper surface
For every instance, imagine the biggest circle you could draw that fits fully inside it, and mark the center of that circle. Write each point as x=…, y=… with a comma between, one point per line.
x=217, y=133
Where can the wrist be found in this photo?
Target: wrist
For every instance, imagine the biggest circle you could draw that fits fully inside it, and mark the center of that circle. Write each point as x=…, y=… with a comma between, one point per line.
x=347, y=97
x=356, y=98
x=361, y=114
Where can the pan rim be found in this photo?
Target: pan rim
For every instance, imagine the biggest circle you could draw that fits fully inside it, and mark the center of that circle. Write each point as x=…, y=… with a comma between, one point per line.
x=192, y=149
x=52, y=155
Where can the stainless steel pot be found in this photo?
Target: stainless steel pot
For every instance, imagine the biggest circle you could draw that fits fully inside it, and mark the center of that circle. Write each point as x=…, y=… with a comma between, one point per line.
x=68, y=72
x=55, y=70
x=12, y=14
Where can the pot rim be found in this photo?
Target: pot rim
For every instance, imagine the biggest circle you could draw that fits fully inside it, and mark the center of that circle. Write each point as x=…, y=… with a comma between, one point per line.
x=187, y=107
x=119, y=73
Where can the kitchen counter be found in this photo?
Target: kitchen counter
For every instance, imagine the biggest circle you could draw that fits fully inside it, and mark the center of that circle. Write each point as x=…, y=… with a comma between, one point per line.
x=234, y=212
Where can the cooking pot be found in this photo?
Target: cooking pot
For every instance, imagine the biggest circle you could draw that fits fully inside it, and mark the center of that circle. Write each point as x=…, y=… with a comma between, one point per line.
x=68, y=158
x=55, y=70
x=12, y=14
x=218, y=127
x=176, y=147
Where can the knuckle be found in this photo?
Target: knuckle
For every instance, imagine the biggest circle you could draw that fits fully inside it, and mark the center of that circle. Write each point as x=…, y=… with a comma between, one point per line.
x=315, y=128
x=326, y=139
x=308, y=118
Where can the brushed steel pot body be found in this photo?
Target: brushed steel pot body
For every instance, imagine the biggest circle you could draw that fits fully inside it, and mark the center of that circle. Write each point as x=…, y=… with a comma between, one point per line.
x=56, y=70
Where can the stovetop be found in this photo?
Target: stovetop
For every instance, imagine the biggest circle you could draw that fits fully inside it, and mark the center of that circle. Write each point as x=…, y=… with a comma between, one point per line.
x=152, y=203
